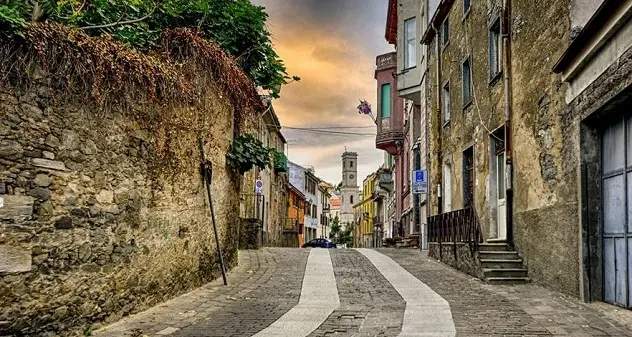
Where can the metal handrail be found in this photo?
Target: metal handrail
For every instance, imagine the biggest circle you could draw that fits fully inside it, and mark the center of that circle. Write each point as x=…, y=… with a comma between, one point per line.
x=457, y=226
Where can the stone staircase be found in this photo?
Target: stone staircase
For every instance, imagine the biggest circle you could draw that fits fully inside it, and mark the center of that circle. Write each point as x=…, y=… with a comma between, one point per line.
x=501, y=265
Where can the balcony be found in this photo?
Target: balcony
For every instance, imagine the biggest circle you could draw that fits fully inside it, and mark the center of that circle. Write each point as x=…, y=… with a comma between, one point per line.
x=386, y=180
x=390, y=107
x=385, y=61
x=280, y=162
x=388, y=139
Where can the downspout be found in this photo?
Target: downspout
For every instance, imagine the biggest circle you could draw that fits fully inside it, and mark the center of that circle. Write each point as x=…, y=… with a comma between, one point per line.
x=438, y=98
x=506, y=12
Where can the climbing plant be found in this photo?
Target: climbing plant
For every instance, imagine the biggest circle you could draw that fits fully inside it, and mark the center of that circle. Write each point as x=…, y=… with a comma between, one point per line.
x=246, y=152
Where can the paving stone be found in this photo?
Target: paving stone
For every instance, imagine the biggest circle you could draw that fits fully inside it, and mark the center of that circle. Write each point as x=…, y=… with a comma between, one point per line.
x=480, y=309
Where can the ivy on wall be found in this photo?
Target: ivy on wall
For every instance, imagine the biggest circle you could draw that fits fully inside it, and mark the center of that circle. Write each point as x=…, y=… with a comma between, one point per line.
x=246, y=152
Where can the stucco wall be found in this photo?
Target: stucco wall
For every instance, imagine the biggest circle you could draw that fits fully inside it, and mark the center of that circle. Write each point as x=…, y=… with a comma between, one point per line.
x=97, y=233
x=545, y=139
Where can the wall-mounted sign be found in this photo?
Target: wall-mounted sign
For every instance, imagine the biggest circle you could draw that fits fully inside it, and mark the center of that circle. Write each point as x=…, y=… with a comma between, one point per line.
x=420, y=182
x=259, y=187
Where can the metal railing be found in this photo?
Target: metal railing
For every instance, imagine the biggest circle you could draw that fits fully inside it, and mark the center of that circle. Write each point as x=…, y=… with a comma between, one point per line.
x=454, y=227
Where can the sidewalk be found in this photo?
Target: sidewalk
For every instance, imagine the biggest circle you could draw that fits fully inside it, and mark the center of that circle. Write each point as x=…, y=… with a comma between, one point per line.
x=481, y=309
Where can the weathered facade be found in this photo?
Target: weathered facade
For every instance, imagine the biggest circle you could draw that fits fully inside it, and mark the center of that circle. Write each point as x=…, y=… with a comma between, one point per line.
x=90, y=230
x=597, y=69
x=500, y=141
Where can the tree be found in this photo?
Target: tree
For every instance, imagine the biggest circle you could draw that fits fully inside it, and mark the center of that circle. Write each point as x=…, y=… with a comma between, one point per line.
x=237, y=26
x=335, y=229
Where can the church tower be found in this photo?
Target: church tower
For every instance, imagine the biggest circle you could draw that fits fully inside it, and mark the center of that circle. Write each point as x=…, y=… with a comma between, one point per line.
x=349, y=169
x=349, y=193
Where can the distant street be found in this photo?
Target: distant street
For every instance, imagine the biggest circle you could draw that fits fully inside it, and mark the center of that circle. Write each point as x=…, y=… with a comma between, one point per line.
x=347, y=292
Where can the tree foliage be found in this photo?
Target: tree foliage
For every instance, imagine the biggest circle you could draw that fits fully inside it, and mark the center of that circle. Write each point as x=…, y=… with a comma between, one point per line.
x=247, y=152
x=237, y=26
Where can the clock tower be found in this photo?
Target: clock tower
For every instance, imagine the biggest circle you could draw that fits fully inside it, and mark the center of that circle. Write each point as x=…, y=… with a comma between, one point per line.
x=349, y=193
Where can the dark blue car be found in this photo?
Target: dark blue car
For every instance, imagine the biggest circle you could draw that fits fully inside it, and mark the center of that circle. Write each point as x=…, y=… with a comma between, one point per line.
x=319, y=243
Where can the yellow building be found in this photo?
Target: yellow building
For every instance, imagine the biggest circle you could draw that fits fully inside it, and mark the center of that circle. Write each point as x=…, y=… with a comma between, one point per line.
x=364, y=214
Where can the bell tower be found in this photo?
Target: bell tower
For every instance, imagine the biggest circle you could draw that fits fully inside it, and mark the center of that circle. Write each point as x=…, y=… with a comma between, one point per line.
x=349, y=169
x=349, y=192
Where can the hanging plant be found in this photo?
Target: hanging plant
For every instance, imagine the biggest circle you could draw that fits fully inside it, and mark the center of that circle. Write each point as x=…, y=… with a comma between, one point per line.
x=247, y=152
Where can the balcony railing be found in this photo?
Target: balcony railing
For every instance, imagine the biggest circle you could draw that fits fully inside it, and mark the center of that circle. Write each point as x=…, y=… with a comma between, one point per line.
x=280, y=162
x=457, y=226
x=386, y=60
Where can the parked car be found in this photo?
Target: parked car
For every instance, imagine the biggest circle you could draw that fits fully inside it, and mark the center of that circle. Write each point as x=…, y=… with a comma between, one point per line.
x=319, y=243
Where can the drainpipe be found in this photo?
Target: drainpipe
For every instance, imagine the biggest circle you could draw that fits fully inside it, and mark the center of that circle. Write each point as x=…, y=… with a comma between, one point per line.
x=506, y=12
x=438, y=94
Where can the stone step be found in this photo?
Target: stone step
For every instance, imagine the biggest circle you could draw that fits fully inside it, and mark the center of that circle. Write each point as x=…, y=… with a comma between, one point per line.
x=498, y=255
x=507, y=280
x=501, y=263
x=505, y=272
x=492, y=247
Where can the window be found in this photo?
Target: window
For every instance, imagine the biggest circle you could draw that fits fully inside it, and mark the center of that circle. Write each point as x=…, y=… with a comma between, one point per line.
x=350, y=164
x=466, y=81
x=445, y=102
x=351, y=200
x=410, y=47
x=466, y=7
x=495, y=51
x=314, y=211
x=386, y=100
x=445, y=31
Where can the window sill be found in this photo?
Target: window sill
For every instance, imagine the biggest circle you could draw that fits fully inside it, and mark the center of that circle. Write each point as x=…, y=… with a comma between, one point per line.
x=445, y=45
x=467, y=13
x=494, y=79
x=467, y=104
x=445, y=124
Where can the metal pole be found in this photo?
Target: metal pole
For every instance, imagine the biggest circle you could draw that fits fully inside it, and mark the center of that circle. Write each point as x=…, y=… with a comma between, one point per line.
x=206, y=168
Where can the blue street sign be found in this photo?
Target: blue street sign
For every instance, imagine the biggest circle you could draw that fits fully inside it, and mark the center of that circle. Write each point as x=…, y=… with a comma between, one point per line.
x=420, y=182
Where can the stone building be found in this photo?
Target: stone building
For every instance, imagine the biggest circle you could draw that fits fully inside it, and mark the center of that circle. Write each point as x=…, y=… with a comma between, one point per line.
x=349, y=192
x=538, y=156
x=594, y=142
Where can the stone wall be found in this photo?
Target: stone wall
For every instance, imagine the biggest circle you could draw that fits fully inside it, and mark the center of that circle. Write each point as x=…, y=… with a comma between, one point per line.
x=464, y=260
x=545, y=138
x=546, y=148
x=88, y=233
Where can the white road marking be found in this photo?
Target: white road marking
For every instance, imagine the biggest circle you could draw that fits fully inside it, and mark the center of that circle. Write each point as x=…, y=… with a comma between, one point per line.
x=319, y=298
x=426, y=313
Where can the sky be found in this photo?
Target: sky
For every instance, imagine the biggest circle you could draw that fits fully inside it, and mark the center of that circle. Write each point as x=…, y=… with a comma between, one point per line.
x=331, y=45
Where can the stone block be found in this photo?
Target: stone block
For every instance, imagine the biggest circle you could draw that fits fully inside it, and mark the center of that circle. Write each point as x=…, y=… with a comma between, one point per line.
x=11, y=150
x=42, y=180
x=15, y=259
x=49, y=164
x=105, y=197
x=16, y=207
x=48, y=155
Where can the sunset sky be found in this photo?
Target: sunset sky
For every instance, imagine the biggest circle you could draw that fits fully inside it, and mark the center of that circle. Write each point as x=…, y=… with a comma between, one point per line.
x=331, y=45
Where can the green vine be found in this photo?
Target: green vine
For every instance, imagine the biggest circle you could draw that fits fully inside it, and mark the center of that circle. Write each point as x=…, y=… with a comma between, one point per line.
x=247, y=152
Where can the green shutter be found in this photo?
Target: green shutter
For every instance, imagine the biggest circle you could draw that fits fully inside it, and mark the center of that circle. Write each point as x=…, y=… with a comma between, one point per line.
x=386, y=100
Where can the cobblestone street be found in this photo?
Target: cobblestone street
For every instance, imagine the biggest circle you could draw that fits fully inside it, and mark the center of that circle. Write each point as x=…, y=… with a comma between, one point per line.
x=268, y=283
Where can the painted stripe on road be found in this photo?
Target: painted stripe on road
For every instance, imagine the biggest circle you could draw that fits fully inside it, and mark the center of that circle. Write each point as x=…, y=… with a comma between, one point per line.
x=319, y=298
x=426, y=313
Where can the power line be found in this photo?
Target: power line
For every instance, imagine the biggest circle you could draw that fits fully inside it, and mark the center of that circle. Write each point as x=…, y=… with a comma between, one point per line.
x=331, y=132
x=324, y=127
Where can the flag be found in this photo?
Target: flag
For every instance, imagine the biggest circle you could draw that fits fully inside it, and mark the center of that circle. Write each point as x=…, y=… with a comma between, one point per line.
x=364, y=108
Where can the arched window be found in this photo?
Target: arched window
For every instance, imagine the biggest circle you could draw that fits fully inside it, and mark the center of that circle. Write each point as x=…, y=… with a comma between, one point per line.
x=352, y=200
